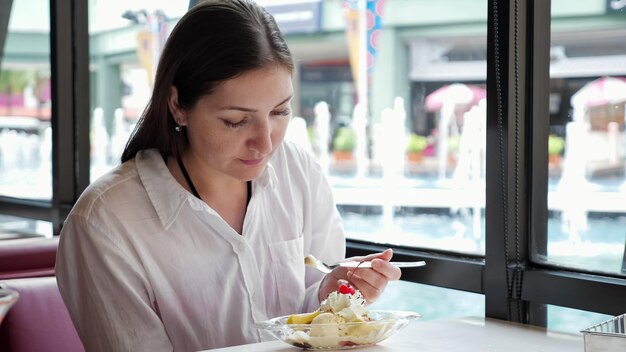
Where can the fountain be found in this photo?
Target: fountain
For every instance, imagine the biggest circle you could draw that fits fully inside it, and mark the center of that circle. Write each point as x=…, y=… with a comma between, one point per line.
x=573, y=183
x=451, y=99
x=99, y=145
x=321, y=135
x=359, y=125
x=45, y=153
x=119, y=137
x=297, y=133
x=391, y=146
x=470, y=168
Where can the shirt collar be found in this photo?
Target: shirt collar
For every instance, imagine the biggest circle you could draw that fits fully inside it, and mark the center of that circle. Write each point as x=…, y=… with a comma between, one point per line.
x=167, y=195
x=267, y=179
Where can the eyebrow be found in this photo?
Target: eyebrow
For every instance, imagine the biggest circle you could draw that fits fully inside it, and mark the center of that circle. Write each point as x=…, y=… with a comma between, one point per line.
x=240, y=108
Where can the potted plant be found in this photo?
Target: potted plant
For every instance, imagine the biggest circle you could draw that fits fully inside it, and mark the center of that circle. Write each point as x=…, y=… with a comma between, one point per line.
x=415, y=148
x=556, y=145
x=344, y=143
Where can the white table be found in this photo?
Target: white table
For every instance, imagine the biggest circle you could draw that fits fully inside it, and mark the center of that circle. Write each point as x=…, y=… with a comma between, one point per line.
x=462, y=335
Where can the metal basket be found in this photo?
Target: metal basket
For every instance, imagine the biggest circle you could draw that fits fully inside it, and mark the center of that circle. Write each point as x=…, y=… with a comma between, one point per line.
x=606, y=336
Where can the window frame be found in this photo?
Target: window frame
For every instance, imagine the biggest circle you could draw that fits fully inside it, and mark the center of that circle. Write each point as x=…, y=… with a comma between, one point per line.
x=69, y=66
x=517, y=84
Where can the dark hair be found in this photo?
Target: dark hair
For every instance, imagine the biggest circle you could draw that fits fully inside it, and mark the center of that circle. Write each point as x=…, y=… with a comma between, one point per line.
x=216, y=40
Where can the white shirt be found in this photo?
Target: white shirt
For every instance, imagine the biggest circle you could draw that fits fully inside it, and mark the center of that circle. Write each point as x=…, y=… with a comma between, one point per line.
x=143, y=265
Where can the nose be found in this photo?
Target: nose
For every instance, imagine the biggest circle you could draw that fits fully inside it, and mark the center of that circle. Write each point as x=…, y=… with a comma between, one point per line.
x=261, y=139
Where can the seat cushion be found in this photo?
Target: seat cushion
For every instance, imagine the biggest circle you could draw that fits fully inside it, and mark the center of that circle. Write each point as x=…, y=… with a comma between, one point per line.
x=27, y=257
x=39, y=320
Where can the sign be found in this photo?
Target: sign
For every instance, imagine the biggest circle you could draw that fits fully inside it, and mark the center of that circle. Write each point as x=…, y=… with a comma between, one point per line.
x=297, y=17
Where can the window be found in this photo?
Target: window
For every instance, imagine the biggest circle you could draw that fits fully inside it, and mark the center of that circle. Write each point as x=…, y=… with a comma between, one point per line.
x=587, y=144
x=126, y=40
x=25, y=117
x=25, y=102
x=410, y=171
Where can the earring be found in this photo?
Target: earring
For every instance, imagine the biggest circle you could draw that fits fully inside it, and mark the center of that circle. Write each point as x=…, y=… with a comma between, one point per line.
x=178, y=128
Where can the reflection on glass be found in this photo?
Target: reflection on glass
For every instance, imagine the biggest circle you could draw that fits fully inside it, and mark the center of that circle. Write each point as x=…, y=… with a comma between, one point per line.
x=126, y=39
x=12, y=227
x=25, y=99
x=431, y=302
x=587, y=146
x=395, y=111
x=572, y=320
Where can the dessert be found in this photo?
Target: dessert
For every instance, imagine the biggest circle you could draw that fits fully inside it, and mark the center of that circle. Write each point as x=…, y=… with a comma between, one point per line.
x=341, y=321
x=345, y=305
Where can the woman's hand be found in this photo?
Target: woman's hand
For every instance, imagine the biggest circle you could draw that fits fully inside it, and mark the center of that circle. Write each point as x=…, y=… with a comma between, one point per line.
x=370, y=281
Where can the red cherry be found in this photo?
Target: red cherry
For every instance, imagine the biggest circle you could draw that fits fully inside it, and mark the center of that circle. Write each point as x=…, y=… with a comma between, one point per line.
x=352, y=290
x=344, y=289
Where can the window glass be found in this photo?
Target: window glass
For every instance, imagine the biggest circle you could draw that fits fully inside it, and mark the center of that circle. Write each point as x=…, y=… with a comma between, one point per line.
x=430, y=302
x=25, y=100
x=391, y=95
x=125, y=41
x=587, y=145
x=12, y=227
x=573, y=320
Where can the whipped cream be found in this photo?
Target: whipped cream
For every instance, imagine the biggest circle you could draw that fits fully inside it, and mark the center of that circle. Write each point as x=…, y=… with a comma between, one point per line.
x=345, y=308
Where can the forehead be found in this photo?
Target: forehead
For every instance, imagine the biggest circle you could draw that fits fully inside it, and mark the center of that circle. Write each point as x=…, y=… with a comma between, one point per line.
x=265, y=86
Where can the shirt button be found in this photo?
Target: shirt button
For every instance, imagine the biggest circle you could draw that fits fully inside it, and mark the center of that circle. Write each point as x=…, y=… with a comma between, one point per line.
x=241, y=247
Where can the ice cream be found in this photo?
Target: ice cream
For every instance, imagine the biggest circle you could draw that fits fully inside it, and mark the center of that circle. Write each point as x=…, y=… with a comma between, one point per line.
x=339, y=321
x=345, y=305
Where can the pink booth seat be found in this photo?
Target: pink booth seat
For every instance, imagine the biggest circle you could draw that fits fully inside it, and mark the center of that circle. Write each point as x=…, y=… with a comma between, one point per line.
x=39, y=320
x=27, y=257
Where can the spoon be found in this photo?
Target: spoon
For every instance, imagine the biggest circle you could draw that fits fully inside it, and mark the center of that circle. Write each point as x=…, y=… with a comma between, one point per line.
x=313, y=262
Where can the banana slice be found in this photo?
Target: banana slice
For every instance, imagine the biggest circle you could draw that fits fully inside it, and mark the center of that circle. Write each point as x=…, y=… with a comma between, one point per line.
x=304, y=318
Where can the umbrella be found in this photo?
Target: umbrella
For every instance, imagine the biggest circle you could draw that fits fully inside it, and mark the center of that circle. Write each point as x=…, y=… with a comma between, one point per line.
x=457, y=93
x=604, y=90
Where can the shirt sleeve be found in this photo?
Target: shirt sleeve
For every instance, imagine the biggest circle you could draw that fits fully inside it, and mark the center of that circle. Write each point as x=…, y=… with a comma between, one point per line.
x=106, y=292
x=327, y=241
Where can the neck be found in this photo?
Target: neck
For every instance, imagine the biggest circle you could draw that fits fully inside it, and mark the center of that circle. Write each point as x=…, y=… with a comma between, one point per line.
x=207, y=182
x=228, y=197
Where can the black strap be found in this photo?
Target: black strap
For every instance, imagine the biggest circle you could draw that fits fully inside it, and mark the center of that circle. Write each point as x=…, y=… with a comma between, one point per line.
x=184, y=171
x=249, y=188
x=195, y=192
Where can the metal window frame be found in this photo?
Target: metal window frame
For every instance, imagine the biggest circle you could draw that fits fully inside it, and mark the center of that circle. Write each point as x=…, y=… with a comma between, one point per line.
x=5, y=13
x=69, y=64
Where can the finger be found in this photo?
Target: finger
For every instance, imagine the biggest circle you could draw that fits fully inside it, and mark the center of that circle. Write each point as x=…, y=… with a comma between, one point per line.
x=390, y=271
x=371, y=277
x=385, y=255
x=370, y=291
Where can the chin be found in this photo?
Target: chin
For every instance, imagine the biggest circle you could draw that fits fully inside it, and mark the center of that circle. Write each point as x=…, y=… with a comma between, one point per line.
x=253, y=173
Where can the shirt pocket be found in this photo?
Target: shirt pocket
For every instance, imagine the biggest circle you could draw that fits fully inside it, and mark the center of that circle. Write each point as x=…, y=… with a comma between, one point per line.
x=288, y=270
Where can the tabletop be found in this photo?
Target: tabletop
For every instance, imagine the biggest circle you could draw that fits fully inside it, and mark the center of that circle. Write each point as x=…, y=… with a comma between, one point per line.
x=460, y=334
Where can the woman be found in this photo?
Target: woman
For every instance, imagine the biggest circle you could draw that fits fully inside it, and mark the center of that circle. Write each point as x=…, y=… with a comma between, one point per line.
x=204, y=227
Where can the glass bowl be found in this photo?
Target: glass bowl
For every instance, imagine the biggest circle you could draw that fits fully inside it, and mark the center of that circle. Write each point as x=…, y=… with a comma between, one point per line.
x=339, y=336
x=7, y=299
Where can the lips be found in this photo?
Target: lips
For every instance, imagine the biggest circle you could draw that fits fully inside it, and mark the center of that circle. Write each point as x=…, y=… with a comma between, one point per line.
x=251, y=162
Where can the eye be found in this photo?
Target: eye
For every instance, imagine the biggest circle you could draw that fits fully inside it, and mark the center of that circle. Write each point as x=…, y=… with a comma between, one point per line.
x=284, y=112
x=235, y=124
